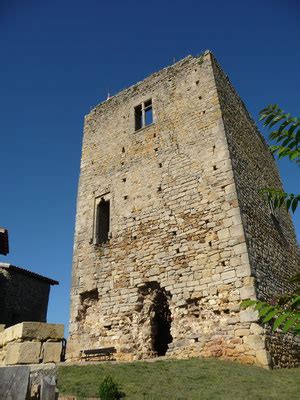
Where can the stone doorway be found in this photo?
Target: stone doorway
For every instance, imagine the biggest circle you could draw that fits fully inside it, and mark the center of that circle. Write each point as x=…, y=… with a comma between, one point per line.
x=158, y=317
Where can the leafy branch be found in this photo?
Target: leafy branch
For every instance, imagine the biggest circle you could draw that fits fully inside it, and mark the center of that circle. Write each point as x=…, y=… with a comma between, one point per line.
x=287, y=139
x=287, y=318
x=287, y=133
x=276, y=198
x=284, y=312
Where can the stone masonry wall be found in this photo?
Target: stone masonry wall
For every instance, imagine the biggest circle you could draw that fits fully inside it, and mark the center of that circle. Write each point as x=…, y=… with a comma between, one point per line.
x=176, y=228
x=172, y=228
x=22, y=298
x=271, y=240
x=31, y=343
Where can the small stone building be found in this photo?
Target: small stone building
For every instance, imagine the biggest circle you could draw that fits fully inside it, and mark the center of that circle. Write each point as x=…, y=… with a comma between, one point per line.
x=171, y=230
x=24, y=295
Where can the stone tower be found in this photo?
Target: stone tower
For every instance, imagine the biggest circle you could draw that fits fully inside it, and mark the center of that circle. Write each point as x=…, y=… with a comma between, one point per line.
x=171, y=232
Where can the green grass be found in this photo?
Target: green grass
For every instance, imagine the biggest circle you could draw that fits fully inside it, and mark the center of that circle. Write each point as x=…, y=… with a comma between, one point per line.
x=183, y=380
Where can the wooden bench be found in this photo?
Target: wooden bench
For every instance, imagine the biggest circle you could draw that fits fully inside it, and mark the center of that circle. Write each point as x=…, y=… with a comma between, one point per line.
x=103, y=354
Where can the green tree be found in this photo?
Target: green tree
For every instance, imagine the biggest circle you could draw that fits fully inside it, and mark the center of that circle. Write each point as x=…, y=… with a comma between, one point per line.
x=285, y=312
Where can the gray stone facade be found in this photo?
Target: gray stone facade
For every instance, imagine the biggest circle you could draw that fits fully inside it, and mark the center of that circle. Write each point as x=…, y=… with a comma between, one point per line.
x=24, y=295
x=189, y=235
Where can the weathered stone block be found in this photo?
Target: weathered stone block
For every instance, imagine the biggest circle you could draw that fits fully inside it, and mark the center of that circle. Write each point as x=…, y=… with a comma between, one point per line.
x=247, y=292
x=248, y=316
x=263, y=358
x=51, y=352
x=255, y=342
x=224, y=234
x=13, y=333
x=23, y=353
x=33, y=331
x=241, y=332
x=256, y=329
x=42, y=331
x=243, y=271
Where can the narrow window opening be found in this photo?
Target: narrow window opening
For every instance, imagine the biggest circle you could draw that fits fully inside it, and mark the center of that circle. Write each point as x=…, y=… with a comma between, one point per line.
x=124, y=180
x=159, y=189
x=123, y=149
x=160, y=165
x=125, y=197
x=103, y=219
x=214, y=167
x=197, y=82
x=210, y=243
x=148, y=112
x=138, y=117
x=143, y=115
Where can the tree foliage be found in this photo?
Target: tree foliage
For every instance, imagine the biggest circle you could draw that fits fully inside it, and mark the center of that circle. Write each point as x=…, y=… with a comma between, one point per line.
x=286, y=135
x=285, y=316
x=285, y=311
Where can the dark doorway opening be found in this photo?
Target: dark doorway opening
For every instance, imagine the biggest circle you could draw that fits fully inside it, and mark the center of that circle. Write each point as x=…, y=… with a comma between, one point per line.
x=161, y=323
x=155, y=315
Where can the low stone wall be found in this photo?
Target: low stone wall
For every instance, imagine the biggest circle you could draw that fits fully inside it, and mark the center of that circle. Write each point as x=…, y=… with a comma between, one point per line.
x=31, y=343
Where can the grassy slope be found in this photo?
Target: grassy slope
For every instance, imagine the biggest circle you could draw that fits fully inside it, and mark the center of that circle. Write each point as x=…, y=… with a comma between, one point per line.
x=183, y=379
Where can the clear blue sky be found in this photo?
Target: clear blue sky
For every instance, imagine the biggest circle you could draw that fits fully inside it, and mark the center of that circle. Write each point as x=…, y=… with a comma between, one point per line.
x=58, y=59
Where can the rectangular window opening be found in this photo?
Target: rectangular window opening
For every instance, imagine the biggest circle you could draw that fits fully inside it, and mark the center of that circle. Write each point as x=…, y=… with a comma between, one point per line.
x=138, y=117
x=148, y=116
x=103, y=221
x=143, y=115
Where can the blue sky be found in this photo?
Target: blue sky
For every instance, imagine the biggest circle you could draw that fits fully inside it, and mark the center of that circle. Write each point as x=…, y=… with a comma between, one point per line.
x=58, y=59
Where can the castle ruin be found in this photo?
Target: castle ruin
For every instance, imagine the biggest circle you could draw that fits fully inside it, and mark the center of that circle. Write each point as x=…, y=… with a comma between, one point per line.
x=171, y=231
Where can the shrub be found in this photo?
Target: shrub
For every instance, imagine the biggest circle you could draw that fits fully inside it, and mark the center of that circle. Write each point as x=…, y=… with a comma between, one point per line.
x=109, y=390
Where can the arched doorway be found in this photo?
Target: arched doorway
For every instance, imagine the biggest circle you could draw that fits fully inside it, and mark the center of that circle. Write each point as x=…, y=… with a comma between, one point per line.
x=161, y=323
x=156, y=305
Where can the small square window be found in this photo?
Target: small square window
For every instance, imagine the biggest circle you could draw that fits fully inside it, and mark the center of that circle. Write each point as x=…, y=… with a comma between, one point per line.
x=143, y=115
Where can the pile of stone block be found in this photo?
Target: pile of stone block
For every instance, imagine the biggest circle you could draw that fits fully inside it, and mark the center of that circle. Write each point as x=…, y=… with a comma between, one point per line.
x=31, y=343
